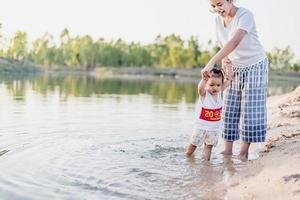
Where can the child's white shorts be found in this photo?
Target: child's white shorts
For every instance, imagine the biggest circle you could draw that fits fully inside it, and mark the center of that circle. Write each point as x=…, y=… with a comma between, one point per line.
x=209, y=137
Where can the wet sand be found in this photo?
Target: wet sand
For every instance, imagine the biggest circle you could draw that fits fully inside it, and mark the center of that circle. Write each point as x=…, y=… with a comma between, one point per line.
x=276, y=174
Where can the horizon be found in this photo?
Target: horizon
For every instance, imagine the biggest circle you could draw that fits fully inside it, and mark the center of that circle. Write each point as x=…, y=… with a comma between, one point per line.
x=141, y=21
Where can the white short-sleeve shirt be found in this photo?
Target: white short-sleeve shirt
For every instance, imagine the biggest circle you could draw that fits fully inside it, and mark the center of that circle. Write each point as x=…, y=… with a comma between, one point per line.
x=249, y=51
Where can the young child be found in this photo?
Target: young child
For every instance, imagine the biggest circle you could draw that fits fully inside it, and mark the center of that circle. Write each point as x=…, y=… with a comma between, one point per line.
x=208, y=112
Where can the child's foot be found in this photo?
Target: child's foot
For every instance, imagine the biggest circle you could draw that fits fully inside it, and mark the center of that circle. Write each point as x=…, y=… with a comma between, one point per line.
x=206, y=157
x=188, y=154
x=191, y=159
x=190, y=150
x=207, y=151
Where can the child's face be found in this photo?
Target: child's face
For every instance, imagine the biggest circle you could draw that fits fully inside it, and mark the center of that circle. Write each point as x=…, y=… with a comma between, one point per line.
x=221, y=7
x=214, y=85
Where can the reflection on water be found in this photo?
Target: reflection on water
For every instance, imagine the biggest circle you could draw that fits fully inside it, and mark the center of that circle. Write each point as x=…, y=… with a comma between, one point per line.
x=282, y=86
x=163, y=90
x=167, y=91
x=77, y=137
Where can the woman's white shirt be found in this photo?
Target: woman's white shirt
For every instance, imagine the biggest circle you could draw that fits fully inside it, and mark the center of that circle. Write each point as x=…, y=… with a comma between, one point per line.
x=249, y=51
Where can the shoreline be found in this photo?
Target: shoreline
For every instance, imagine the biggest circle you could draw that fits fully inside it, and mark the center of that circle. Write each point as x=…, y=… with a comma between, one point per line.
x=11, y=66
x=173, y=72
x=276, y=173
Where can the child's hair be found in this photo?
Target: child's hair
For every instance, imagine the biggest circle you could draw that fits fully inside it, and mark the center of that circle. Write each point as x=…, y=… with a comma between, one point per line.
x=217, y=73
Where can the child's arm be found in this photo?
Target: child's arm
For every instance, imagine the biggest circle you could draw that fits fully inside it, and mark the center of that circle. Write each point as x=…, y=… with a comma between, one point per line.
x=202, y=84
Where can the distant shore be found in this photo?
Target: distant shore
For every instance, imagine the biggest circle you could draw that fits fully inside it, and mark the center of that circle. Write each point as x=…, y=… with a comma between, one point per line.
x=9, y=66
x=170, y=72
x=276, y=174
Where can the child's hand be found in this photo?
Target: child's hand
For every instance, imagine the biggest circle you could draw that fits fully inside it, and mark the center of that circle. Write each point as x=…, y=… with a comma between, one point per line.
x=205, y=75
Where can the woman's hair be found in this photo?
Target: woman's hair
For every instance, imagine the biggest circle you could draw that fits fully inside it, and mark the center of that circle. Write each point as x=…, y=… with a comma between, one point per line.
x=217, y=73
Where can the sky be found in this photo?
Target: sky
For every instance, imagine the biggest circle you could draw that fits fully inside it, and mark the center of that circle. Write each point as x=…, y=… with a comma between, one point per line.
x=142, y=20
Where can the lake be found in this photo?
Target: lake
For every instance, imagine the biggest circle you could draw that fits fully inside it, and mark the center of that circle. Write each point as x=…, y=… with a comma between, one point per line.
x=78, y=137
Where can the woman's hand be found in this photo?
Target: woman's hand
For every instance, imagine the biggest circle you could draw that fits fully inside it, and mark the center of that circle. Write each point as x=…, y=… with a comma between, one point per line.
x=206, y=70
x=226, y=62
x=205, y=76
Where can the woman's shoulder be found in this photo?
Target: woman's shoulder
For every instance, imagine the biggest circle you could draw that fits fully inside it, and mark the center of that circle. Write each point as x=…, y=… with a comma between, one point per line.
x=219, y=22
x=243, y=11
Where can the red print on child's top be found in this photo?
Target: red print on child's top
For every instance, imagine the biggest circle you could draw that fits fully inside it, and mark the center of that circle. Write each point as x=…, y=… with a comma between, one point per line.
x=211, y=114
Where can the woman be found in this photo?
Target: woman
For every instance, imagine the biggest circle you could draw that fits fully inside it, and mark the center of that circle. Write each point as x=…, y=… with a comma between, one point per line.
x=245, y=112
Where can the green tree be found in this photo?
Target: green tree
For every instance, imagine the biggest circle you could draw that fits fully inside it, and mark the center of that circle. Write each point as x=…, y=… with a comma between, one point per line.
x=138, y=55
x=280, y=58
x=43, y=51
x=18, y=46
x=85, y=51
x=296, y=66
x=193, y=52
x=65, y=49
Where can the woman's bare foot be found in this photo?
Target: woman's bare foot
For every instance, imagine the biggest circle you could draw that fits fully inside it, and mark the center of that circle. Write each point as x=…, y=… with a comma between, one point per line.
x=243, y=157
x=228, y=148
x=226, y=153
x=244, y=151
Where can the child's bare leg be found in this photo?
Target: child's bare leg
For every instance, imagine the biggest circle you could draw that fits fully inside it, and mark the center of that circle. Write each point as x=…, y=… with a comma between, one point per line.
x=190, y=149
x=207, y=151
x=227, y=148
x=244, y=150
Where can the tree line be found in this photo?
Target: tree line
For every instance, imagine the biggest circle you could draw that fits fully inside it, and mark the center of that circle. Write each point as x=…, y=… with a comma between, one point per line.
x=85, y=52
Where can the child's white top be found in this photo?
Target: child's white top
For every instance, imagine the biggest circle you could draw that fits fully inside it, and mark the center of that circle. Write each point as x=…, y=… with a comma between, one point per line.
x=208, y=112
x=249, y=51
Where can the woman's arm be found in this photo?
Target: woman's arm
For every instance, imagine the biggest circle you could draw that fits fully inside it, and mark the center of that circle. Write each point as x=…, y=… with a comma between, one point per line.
x=226, y=50
x=228, y=73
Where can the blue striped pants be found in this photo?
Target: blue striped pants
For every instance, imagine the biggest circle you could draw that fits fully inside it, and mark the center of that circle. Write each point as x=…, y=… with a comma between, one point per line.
x=245, y=112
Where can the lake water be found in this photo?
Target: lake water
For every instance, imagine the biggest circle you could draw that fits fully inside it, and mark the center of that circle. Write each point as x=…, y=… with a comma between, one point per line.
x=77, y=137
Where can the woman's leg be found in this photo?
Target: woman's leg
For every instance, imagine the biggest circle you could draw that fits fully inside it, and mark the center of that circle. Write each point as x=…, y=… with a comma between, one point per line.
x=190, y=149
x=231, y=116
x=227, y=148
x=207, y=151
x=244, y=150
x=254, y=109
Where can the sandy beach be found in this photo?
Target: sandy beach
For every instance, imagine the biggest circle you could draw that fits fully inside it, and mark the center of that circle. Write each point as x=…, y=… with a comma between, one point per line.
x=276, y=173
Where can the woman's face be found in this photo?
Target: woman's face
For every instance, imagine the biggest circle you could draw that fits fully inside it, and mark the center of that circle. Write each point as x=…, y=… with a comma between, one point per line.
x=221, y=7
